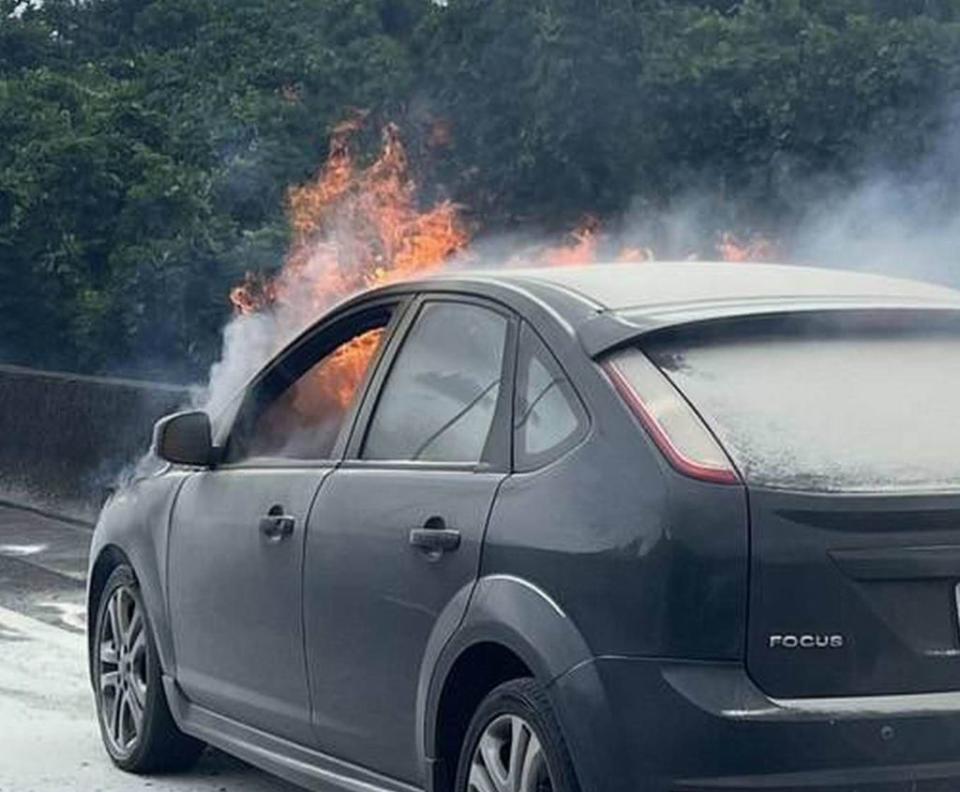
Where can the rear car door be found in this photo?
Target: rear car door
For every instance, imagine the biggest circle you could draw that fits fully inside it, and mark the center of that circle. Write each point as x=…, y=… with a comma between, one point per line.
x=238, y=531
x=394, y=540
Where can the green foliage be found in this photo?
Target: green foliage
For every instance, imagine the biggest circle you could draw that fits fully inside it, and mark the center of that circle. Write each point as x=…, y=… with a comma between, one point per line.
x=146, y=145
x=564, y=106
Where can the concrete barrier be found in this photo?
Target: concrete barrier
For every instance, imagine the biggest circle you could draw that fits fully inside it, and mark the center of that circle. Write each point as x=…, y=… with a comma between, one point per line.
x=65, y=438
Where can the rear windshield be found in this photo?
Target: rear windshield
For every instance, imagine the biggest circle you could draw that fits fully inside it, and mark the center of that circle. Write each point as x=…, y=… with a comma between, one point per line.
x=824, y=403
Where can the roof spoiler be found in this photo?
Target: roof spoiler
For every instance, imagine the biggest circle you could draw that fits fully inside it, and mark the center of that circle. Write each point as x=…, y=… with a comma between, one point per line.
x=606, y=331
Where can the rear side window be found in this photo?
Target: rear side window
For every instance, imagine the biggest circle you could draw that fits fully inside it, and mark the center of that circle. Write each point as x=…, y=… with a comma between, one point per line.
x=827, y=405
x=548, y=417
x=439, y=400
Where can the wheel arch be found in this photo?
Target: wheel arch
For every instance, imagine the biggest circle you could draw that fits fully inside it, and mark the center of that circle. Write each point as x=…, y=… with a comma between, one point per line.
x=512, y=629
x=132, y=529
x=108, y=558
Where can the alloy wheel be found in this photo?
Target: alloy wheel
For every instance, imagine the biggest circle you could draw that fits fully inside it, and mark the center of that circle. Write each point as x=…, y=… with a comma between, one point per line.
x=509, y=758
x=122, y=671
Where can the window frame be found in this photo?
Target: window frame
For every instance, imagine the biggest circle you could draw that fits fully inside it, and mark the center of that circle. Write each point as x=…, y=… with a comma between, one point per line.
x=534, y=462
x=498, y=452
x=314, y=345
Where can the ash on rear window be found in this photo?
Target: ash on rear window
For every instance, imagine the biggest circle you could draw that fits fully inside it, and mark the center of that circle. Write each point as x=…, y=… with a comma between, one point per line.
x=827, y=405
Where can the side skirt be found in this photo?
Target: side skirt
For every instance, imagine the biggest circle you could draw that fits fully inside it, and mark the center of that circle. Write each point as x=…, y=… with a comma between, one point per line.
x=303, y=766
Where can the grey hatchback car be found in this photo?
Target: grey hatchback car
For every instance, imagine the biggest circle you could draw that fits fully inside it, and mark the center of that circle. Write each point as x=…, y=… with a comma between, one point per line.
x=641, y=528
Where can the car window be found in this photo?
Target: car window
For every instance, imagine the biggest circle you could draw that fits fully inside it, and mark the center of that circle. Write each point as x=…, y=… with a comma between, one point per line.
x=305, y=419
x=548, y=416
x=439, y=400
x=826, y=403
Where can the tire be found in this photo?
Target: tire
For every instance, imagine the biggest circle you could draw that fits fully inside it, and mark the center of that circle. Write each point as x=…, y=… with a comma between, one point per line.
x=137, y=728
x=510, y=722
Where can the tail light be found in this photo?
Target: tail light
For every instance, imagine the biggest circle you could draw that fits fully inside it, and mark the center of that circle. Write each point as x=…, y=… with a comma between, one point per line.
x=669, y=419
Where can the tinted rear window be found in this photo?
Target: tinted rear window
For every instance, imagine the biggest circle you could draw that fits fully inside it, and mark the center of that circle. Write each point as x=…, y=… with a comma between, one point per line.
x=827, y=405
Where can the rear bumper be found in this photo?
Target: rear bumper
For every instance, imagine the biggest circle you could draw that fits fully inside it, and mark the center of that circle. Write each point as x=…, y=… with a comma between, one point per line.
x=641, y=725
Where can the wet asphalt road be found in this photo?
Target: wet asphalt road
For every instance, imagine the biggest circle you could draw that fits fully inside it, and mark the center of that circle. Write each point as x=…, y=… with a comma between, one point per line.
x=49, y=740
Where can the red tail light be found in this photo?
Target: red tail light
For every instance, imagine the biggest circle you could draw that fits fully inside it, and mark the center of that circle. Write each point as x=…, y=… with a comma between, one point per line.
x=669, y=419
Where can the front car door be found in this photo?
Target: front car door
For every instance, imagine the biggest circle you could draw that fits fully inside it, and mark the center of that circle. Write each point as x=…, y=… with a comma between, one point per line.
x=395, y=537
x=238, y=530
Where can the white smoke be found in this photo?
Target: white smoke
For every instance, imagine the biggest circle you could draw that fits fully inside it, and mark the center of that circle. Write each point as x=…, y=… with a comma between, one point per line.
x=248, y=342
x=885, y=225
x=252, y=339
x=887, y=221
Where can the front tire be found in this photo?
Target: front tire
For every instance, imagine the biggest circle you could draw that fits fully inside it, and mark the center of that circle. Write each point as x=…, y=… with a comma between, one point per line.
x=514, y=744
x=137, y=728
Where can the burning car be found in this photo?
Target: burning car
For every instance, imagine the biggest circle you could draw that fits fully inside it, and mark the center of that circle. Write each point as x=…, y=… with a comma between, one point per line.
x=611, y=528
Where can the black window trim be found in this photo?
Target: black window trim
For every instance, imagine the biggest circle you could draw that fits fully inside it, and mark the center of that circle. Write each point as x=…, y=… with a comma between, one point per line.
x=316, y=343
x=584, y=418
x=498, y=451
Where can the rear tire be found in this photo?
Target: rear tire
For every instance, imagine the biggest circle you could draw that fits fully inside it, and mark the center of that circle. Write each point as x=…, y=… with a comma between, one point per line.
x=514, y=742
x=137, y=728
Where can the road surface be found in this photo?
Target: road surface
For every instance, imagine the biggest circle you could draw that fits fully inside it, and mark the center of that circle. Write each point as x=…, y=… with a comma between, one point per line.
x=49, y=740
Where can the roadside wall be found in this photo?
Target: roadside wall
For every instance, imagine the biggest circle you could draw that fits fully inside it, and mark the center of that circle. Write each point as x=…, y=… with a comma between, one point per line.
x=64, y=438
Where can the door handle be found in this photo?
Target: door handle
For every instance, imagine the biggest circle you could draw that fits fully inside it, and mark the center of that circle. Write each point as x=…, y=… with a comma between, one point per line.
x=276, y=525
x=435, y=538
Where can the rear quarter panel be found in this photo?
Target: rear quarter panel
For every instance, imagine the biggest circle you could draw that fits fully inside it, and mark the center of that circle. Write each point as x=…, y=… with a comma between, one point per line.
x=642, y=560
x=642, y=564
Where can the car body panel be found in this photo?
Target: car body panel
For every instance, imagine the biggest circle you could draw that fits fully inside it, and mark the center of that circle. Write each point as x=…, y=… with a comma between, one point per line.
x=135, y=522
x=620, y=583
x=644, y=560
x=681, y=726
x=372, y=602
x=878, y=572
x=658, y=286
x=299, y=764
x=238, y=593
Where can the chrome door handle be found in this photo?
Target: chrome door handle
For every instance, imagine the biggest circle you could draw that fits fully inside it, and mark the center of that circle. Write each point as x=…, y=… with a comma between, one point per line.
x=440, y=540
x=277, y=526
x=435, y=538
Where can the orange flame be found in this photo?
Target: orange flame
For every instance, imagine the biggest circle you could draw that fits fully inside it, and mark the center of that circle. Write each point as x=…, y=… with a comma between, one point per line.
x=581, y=250
x=357, y=228
x=354, y=228
x=757, y=248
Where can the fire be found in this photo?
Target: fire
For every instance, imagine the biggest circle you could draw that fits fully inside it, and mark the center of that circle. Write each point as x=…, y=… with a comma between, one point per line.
x=757, y=248
x=581, y=250
x=354, y=228
x=328, y=388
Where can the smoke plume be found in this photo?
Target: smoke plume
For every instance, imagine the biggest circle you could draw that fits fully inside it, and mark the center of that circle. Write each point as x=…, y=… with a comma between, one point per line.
x=354, y=228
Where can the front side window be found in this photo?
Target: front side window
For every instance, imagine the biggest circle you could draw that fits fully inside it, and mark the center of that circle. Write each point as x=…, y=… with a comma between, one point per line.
x=303, y=417
x=548, y=417
x=440, y=398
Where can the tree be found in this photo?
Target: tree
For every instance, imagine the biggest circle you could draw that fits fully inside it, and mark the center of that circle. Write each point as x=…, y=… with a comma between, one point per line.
x=146, y=146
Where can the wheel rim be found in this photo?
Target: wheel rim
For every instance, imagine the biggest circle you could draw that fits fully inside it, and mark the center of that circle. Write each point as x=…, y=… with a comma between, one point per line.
x=122, y=671
x=509, y=758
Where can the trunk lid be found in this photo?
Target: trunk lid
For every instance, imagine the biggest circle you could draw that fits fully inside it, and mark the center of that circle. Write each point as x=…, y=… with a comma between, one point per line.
x=853, y=595
x=846, y=430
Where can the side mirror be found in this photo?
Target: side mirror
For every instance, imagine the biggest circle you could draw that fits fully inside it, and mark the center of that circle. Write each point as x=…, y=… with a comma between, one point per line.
x=184, y=438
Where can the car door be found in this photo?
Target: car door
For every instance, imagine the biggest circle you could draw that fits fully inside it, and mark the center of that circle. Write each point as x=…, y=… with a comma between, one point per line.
x=395, y=537
x=238, y=530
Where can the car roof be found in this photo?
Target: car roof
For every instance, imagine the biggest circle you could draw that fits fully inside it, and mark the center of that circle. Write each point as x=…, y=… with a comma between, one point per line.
x=651, y=286
x=607, y=304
